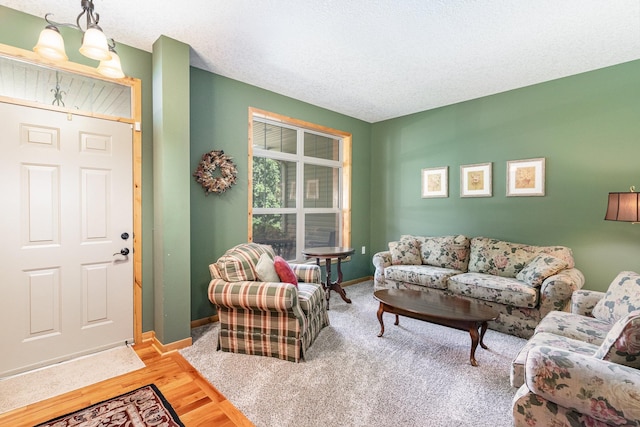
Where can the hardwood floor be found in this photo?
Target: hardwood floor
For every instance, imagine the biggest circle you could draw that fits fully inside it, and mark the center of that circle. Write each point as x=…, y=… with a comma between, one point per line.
x=196, y=401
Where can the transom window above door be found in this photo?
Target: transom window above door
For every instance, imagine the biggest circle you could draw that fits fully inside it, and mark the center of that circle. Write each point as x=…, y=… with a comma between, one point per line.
x=31, y=82
x=299, y=184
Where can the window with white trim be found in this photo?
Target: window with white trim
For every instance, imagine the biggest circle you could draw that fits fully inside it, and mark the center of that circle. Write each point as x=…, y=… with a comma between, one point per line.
x=299, y=194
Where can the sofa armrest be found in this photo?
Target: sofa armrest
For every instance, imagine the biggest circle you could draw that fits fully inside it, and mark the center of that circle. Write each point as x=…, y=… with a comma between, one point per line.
x=556, y=291
x=381, y=260
x=583, y=301
x=262, y=296
x=600, y=389
x=308, y=273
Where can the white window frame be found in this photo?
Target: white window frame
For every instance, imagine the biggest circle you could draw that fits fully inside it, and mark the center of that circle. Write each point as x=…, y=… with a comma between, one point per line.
x=343, y=164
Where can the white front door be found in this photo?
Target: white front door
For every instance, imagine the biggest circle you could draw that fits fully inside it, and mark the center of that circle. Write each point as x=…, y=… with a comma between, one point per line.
x=66, y=211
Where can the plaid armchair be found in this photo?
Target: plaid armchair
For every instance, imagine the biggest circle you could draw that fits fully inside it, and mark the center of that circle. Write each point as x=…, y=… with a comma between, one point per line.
x=265, y=318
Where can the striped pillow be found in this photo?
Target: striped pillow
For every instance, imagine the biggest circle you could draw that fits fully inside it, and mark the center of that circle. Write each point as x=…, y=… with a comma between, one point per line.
x=239, y=263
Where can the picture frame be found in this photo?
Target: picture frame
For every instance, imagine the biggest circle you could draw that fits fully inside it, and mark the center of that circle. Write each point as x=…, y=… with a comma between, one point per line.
x=476, y=180
x=435, y=182
x=526, y=177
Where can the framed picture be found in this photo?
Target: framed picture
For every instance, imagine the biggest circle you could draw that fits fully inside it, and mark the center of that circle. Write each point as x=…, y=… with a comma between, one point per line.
x=475, y=180
x=435, y=182
x=525, y=177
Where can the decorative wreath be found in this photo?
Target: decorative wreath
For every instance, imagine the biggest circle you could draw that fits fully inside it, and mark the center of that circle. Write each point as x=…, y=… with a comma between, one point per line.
x=212, y=161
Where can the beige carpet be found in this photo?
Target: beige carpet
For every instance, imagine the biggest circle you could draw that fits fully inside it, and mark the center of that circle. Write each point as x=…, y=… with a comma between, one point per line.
x=34, y=386
x=417, y=374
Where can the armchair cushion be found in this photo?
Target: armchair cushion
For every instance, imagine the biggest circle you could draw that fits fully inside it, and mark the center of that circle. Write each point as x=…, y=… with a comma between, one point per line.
x=622, y=343
x=285, y=273
x=584, y=300
x=622, y=297
x=266, y=269
x=239, y=262
x=307, y=273
x=539, y=268
x=583, y=328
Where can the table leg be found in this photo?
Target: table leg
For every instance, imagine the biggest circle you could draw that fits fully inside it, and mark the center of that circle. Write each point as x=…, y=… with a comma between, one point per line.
x=473, y=331
x=336, y=286
x=380, y=311
x=482, y=331
x=327, y=283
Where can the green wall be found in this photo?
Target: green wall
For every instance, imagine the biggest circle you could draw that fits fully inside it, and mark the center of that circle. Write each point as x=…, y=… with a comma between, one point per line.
x=171, y=248
x=586, y=126
x=219, y=120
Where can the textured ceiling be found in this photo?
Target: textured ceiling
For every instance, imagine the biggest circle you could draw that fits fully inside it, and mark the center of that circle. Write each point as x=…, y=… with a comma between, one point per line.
x=376, y=60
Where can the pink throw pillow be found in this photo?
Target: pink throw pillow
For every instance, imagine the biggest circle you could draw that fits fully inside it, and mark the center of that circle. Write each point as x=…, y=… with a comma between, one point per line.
x=285, y=273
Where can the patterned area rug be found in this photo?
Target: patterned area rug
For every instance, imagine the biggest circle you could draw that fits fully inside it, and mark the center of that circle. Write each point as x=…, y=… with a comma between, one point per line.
x=145, y=406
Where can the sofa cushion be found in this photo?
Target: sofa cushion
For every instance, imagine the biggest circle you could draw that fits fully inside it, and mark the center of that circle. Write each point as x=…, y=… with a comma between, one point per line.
x=539, y=268
x=622, y=297
x=575, y=326
x=546, y=339
x=446, y=252
x=405, y=252
x=266, y=270
x=423, y=275
x=498, y=289
x=622, y=343
x=239, y=263
x=506, y=259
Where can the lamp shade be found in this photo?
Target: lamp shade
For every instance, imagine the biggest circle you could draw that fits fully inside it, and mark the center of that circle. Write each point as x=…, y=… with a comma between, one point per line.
x=623, y=207
x=50, y=45
x=94, y=45
x=112, y=67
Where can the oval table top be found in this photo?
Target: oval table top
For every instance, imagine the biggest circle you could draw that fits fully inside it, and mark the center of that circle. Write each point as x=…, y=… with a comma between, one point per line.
x=437, y=306
x=328, y=252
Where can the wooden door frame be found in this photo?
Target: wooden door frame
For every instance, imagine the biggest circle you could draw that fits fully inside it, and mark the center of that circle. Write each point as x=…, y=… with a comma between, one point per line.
x=135, y=121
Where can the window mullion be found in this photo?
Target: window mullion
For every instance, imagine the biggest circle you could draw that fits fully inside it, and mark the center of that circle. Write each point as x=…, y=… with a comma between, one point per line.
x=300, y=229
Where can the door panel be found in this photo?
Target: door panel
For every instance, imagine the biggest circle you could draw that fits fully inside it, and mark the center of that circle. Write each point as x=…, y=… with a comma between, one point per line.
x=66, y=183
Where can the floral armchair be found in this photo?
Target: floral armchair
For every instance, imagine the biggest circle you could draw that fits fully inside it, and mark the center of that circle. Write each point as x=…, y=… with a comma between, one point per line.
x=565, y=388
x=266, y=318
x=583, y=367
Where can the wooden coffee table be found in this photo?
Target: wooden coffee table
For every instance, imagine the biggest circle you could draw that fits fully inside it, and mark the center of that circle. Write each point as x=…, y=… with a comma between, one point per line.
x=444, y=310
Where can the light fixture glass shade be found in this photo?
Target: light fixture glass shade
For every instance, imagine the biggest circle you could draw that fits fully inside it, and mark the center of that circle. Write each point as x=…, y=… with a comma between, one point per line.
x=111, y=68
x=623, y=207
x=50, y=45
x=94, y=45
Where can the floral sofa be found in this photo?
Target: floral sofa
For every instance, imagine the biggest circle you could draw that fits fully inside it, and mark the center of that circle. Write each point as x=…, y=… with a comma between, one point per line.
x=583, y=368
x=521, y=282
x=266, y=317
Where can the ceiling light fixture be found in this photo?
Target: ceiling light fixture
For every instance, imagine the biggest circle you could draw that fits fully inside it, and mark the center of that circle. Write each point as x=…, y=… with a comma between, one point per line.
x=95, y=44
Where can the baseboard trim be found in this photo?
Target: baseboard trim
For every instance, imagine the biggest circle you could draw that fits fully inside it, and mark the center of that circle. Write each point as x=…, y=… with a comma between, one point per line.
x=205, y=321
x=356, y=281
x=165, y=348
